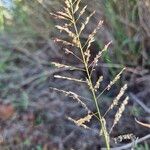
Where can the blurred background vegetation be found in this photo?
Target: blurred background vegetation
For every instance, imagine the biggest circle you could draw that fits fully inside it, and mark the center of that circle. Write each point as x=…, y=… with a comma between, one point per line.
x=37, y=118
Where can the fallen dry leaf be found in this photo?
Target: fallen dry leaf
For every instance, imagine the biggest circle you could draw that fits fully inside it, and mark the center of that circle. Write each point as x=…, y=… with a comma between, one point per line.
x=6, y=111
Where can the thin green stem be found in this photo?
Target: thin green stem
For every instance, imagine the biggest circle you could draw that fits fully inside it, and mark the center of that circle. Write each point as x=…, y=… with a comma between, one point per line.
x=103, y=127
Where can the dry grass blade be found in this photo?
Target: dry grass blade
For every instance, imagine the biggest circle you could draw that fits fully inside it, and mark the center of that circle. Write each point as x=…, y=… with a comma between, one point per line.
x=143, y=124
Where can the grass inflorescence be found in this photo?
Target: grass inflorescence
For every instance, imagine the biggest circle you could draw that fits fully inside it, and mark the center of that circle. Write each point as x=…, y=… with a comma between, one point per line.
x=74, y=27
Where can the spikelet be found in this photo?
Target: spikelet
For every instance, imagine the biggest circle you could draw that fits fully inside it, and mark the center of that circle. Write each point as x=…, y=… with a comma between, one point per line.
x=89, y=84
x=120, y=138
x=100, y=54
x=86, y=22
x=81, y=12
x=87, y=51
x=75, y=97
x=68, y=78
x=92, y=35
x=63, y=14
x=92, y=39
x=81, y=122
x=59, y=65
x=67, y=25
x=67, y=2
x=61, y=28
x=77, y=6
x=97, y=85
x=66, y=15
x=76, y=42
x=115, y=79
x=68, y=12
x=56, y=16
x=95, y=30
x=115, y=101
x=63, y=42
x=119, y=112
x=105, y=130
x=67, y=51
x=87, y=55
